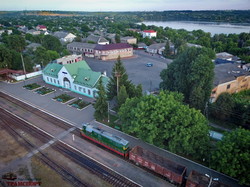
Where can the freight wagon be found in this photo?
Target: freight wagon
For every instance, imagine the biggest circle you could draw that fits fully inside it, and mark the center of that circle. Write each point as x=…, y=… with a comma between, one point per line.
x=173, y=172
x=106, y=139
x=196, y=179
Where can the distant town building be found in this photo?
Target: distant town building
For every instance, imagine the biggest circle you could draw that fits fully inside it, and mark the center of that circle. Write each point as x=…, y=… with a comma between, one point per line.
x=129, y=40
x=33, y=32
x=7, y=31
x=86, y=49
x=33, y=46
x=77, y=77
x=229, y=78
x=70, y=59
x=64, y=37
x=156, y=48
x=41, y=28
x=96, y=39
x=149, y=33
x=113, y=51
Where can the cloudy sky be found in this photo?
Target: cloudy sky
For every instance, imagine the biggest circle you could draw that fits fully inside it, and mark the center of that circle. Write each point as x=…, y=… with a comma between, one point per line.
x=124, y=5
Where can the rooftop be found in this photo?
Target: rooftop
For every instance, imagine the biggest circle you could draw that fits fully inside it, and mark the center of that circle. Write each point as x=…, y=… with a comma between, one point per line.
x=113, y=46
x=227, y=72
x=149, y=31
x=81, y=45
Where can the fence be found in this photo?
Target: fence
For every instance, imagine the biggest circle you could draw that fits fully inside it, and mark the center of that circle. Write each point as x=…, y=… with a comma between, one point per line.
x=28, y=75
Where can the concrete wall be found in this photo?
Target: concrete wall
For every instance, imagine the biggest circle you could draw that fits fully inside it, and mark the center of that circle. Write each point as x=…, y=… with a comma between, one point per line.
x=28, y=75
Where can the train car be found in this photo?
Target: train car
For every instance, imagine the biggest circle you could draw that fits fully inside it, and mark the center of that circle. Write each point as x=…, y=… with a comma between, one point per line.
x=106, y=139
x=196, y=179
x=173, y=172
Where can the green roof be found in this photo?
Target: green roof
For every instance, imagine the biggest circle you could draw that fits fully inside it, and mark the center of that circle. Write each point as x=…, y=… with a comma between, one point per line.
x=73, y=68
x=52, y=69
x=86, y=77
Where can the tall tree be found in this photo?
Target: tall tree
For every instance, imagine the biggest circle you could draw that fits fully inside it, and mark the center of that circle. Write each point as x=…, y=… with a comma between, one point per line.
x=101, y=105
x=117, y=38
x=166, y=122
x=232, y=155
x=167, y=50
x=16, y=42
x=119, y=76
x=122, y=96
x=51, y=43
x=191, y=73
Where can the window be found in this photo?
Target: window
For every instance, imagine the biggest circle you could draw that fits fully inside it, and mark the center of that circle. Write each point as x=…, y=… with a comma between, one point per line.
x=55, y=81
x=84, y=90
x=89, y=92
x=80, y=89
x=228, y=86
x=48, y=79
x=75, y=87
x=58, y=82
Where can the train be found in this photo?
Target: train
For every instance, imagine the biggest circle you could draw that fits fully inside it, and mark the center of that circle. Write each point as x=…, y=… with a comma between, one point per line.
x=169, y=170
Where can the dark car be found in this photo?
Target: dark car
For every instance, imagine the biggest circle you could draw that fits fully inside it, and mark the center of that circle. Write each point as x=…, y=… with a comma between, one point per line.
x=149, y=64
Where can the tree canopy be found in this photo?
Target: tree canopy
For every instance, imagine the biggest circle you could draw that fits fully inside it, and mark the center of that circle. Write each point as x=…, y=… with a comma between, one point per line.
x=191, y=73
x=101, y=105
x=120, y=75
x=166, y=122
x=232, y=155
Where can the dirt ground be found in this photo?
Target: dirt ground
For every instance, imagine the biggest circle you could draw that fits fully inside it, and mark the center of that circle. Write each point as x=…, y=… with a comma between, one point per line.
x=82, y=173
x=10, y=149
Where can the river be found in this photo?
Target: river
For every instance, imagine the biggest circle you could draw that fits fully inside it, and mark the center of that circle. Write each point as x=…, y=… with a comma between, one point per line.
x=212, y=27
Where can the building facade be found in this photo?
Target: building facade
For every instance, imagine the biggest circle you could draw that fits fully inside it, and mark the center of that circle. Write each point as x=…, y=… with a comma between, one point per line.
x=149, y=33
x=229, y=78
x=113, y=51
x=129, y=40
x=76, y=77
x=68, y=59
x=86, y=49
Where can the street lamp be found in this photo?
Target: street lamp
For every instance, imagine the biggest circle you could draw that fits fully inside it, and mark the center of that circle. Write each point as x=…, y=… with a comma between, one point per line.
x=211, y=179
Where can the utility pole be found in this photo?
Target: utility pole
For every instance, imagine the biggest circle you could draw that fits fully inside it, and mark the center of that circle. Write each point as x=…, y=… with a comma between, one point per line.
x=23, y=66
x=117, y=75
x=108, y=111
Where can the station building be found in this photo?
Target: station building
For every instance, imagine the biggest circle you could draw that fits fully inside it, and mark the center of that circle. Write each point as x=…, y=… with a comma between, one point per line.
x=77, y=77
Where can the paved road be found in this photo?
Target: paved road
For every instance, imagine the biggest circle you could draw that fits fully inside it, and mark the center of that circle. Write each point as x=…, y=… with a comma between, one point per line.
x=136, y=68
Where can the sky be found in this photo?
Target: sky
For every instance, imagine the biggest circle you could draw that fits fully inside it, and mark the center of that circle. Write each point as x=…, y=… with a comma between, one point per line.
x=124, y=5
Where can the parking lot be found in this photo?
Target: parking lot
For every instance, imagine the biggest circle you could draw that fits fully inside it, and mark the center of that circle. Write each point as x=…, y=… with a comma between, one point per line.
x=136, y=68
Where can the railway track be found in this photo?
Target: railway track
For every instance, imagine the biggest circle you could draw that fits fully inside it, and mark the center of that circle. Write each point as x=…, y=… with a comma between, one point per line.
x=37, y=112
x=11, y=123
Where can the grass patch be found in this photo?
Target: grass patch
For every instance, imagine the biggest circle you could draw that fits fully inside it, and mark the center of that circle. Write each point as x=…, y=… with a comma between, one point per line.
x=44, y=90
x=112, y=122
x=32, y=86
x=63, y=98
x=80, y=104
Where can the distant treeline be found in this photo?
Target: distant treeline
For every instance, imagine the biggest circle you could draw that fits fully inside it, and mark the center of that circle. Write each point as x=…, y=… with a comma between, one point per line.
x=231, y=16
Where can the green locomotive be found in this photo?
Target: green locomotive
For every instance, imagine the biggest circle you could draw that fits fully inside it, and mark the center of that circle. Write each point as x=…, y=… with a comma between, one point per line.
x=106, y=139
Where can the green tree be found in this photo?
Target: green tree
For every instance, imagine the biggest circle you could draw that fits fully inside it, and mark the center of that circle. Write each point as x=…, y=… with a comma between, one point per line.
x=16, y=42
x=101, y=105
x=118, y=75
x=232, y=155
x=122, y=96
x=222, y=108
x=166, y=122
x=191, y=73
x=51, y=43
x=167, y=51
x=117, y=38
x=41, y=56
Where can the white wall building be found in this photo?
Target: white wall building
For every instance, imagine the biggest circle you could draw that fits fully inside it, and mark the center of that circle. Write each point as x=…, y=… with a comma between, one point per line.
x=149, y=33
x=77, y=77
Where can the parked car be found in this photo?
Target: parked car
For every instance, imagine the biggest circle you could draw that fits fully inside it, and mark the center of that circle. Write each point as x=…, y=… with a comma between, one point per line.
x=149, y=64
